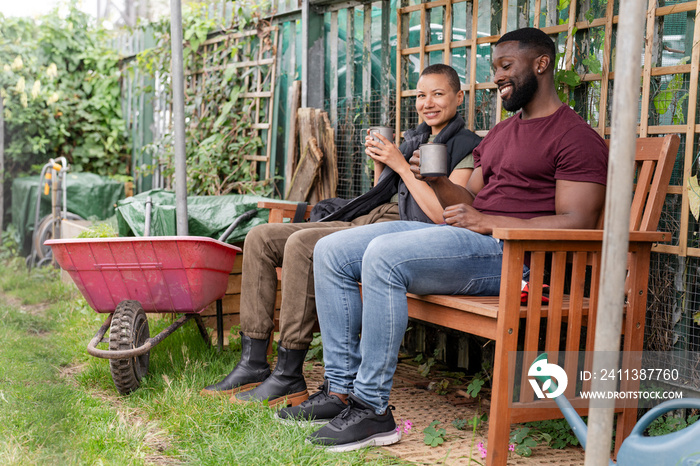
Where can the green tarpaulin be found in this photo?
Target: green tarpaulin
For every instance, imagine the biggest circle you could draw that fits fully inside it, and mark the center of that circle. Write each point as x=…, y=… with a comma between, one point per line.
x=90, y=196
x=208, y=215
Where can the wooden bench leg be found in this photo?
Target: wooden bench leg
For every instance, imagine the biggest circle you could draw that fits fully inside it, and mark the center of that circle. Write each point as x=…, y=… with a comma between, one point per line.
x=499, y=414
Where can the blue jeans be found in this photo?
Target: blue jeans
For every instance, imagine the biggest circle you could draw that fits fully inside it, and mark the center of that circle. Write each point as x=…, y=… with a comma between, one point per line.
x=389, y=259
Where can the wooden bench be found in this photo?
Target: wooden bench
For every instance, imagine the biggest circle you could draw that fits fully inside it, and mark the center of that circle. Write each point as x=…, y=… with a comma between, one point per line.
x=569, y=261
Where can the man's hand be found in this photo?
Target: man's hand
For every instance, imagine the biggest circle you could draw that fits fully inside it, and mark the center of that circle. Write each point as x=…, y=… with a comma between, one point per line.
x=465, y=216
x=578, y=205
x=414, y=162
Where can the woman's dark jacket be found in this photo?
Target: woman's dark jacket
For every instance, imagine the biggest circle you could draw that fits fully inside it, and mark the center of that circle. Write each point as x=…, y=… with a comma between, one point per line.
x=460, y=143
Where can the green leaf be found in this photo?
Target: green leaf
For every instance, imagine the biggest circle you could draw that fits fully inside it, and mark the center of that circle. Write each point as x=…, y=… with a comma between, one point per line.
x=523, y=451
x=593, y=64
x=229, y=72
x=529, y=442
x=474, y=387
x=569, y=77
x=520, y=434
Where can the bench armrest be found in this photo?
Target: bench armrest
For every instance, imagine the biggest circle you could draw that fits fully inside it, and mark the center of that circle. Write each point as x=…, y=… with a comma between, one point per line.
x=533, y=234
x=280, y=210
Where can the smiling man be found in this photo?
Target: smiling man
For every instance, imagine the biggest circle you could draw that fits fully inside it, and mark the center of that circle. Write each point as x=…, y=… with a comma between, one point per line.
x=544, y=167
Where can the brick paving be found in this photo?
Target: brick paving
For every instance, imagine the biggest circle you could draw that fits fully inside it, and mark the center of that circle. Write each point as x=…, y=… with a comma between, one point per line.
x=415, y=402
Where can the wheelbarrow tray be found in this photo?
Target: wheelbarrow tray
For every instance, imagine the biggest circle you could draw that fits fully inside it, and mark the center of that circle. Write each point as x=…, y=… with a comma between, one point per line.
x=181, y=274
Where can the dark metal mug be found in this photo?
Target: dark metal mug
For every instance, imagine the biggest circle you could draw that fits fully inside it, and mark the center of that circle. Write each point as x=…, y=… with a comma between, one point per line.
x=383, y=130
x=434, y=160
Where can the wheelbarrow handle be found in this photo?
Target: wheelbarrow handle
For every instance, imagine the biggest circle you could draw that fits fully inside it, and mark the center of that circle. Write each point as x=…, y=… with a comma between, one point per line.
x=241, y=218
x=138, y=351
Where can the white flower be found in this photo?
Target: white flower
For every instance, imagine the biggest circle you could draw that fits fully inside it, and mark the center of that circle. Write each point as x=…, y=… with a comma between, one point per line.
x=53, y=99
x=7, y=68
x=19, y=87
x=17, y=64
x=3, y=92
x=36, y=89
x=23, y=100
x=52, y=71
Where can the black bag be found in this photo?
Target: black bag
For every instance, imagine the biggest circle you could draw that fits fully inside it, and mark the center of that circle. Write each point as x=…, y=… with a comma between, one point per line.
x=326, y=207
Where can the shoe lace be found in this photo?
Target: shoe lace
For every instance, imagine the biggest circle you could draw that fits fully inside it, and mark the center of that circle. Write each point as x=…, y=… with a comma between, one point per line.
x=350, y=414
x=316, y=398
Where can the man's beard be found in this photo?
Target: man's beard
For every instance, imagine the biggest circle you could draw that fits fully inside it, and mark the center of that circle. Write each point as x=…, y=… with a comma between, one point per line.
x=522, y=94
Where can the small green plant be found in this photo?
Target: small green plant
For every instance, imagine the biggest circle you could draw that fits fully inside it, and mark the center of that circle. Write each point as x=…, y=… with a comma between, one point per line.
x=315, y=348
x=9, y=247
x=669, y=423
x=558, y=430
x=526, y=438
x=442, y=386
x=100, y=230
x=425, y=364
x=434, y=436
x=460, y=424
x=475, y=422
x=475, y=385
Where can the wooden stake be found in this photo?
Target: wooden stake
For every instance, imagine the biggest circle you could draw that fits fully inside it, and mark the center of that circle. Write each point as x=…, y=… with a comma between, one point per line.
x=306, y=172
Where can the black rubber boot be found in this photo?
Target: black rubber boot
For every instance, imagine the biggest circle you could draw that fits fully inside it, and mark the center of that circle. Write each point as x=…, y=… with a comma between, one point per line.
x=285, y=385
x=250, y=371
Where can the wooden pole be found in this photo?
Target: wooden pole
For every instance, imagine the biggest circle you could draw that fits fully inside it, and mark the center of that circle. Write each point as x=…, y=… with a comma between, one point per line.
x=611, y=294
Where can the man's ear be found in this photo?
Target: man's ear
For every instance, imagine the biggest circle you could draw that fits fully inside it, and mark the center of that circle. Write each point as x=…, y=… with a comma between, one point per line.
x=542, y=63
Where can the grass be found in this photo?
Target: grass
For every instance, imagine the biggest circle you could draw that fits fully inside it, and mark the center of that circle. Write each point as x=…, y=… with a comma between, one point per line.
x=58, y=405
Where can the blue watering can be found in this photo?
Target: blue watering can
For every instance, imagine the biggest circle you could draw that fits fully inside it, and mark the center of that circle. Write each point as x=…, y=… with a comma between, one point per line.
x=681, y=448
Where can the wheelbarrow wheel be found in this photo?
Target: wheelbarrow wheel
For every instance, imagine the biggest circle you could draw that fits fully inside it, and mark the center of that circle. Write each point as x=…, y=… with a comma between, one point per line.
x=129, y=330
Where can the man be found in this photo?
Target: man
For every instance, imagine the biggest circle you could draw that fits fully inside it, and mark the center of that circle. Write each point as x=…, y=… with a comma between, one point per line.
x=397, y=195
x=542, y=168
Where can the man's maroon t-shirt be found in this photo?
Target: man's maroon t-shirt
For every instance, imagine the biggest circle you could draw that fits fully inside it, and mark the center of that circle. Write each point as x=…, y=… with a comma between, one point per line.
x=522, y=159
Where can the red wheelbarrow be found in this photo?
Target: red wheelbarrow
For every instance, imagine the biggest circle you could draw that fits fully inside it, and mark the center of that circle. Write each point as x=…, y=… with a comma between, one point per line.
x=129, y=277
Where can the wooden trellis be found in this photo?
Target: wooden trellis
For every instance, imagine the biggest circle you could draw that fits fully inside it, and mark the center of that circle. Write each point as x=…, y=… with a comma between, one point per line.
x=486, y=21
x=253, y=54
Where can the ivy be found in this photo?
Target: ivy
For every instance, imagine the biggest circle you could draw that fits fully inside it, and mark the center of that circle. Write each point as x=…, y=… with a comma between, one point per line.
x=219, y=125
x=60, y=85
x=673, y=97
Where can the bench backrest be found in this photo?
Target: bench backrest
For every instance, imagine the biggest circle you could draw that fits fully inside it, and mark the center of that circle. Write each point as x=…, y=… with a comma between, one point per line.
x=653, y=172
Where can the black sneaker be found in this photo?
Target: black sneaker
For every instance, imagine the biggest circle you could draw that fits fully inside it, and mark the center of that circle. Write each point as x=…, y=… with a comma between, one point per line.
x=357, y=427
x=320, y=408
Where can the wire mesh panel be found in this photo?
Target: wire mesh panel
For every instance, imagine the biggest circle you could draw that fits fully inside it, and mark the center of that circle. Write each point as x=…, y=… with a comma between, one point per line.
x=355, y=169
x=585, y=33
x=672, y=312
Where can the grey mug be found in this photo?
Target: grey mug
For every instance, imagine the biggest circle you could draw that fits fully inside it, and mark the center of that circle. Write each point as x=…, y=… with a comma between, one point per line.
x=383, y=130
x=433, y=159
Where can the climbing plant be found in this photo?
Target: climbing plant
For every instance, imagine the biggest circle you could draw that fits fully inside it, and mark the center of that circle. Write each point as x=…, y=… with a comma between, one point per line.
x=220, y=129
